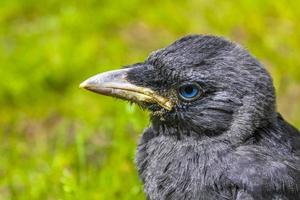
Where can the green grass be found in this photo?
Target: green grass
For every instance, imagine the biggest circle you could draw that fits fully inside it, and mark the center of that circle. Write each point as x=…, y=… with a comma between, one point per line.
x=60, y=142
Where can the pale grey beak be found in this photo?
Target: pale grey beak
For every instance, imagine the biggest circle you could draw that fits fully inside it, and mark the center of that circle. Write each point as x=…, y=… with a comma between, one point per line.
x=114, y=83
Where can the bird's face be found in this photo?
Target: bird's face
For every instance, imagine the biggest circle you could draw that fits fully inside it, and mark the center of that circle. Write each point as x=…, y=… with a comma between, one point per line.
x=197, y=84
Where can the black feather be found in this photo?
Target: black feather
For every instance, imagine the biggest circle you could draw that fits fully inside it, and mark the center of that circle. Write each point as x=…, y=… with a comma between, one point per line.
x=228, y=144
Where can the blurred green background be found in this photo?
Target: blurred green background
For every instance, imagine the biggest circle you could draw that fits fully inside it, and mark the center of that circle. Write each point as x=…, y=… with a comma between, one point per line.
x=60, y=142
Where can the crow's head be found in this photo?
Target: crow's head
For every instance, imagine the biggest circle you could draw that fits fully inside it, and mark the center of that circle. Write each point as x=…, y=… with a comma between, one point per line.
x=200, y=85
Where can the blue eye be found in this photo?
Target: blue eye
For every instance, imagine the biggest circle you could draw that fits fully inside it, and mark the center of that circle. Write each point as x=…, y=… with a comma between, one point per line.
x=189, y=91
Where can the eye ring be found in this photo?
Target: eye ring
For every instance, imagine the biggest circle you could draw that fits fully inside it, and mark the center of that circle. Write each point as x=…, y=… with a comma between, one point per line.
x=189, y=91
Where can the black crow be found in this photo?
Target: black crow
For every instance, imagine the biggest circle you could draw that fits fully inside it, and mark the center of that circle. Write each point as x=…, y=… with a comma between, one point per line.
x=214, y=131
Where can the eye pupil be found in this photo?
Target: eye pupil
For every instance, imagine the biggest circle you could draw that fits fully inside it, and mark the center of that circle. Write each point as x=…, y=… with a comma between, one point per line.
x=189, y=91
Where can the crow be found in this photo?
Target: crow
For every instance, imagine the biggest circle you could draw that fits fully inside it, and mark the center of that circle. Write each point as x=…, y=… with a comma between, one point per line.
x=214, y=130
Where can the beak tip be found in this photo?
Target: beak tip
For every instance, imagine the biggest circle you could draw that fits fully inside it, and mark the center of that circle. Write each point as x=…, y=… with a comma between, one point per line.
x=83, y=85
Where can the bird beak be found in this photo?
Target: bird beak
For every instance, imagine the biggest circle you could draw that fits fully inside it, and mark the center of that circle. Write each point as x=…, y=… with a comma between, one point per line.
x=114, y=83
